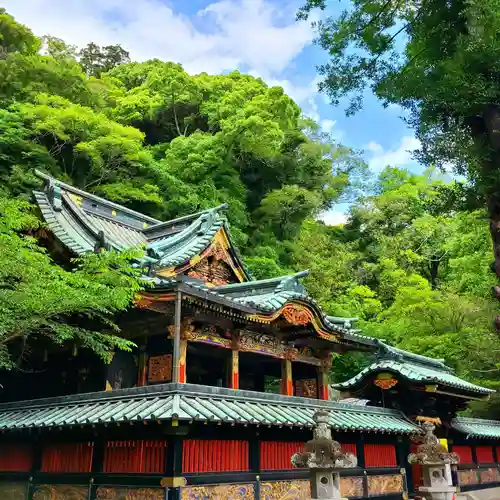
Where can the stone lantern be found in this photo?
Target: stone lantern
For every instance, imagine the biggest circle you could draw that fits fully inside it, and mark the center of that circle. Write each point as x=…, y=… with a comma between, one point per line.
x=434, y=459
x=325, y=459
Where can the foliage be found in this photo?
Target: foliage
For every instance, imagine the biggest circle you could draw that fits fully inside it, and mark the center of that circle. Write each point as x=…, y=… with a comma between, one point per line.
x=96, y=60
x=437, y=60
x=40, y=299
x=411, y=263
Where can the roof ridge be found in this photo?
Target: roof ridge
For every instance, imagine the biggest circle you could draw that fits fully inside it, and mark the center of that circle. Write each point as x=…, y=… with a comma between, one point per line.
x=207, y=219
x=267, y=281
x=183, y=218
x=475, y=420
x=80, y=192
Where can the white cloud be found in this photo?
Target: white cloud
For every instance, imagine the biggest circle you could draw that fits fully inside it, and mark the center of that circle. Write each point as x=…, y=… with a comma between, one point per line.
x=327, y=125
x=333, y=217
x=253, y=34
x=379, y=158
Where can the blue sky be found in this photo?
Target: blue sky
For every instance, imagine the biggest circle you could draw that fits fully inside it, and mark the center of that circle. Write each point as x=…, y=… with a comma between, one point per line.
x=260, y=37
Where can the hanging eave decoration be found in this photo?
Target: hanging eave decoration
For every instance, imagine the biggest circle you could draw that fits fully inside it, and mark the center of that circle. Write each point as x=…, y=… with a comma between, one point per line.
x=385, y=381
x=298, y=315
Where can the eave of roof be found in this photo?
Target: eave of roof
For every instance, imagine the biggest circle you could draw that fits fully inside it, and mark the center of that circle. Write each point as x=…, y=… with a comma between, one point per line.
x=253, y=307
x=188, y=402
x=168, y=244
x=477, y=427
x=414, y=373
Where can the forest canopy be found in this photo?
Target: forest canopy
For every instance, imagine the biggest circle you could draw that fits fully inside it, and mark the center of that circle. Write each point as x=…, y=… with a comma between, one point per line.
x=411, y=262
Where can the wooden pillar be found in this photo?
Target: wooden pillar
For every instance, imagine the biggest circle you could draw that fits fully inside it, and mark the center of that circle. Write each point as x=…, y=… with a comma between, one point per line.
x=235, y=361
x=323, y=379
x=323, y=384
x=286, y=377
x=173, y=479
x=235, y=371
x=177, y=339
x=142, y=378
x=182, y=377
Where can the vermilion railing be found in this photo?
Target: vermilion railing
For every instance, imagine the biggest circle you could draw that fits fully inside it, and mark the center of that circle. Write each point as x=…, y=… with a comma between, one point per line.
x=16, y=458
x=135, y=456
x=380, y=455
x=211, y=455
x=67, y=457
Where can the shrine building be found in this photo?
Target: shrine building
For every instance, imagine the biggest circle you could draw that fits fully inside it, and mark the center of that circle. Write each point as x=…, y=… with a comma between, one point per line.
x=220, y=390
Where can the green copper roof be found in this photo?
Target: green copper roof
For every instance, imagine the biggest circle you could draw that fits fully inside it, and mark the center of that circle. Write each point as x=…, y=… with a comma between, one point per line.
x=84, y=222
x=477, y=427
x=414, y=368
x=190, y=403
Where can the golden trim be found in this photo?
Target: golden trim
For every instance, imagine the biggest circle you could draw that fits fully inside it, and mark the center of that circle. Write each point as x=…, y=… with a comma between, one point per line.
x=432, y=420
x=314, y=319
x=220, y=241
x=173, y=482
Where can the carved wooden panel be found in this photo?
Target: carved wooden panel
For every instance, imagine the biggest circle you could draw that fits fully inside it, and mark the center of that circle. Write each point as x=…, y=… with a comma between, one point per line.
x=285, y=490
x=307, y=388
x=130, y=493
x=385, y=484
x=489, y=475
x=13, y=491
x=351, y=486
x=467, y=477
x=160, y=368
x=213, y=270
x=218, y=492
x=60, y=492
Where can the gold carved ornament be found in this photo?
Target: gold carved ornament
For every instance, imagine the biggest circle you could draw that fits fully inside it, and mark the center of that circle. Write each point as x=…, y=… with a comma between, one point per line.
x=385, y=381
x=297, y=314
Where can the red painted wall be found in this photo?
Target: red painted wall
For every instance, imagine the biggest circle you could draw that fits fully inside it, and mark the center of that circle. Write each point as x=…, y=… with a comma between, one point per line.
x=211, y=455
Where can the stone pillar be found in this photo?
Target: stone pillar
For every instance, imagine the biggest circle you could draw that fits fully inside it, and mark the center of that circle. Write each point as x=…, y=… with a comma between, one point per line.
x=286, y=377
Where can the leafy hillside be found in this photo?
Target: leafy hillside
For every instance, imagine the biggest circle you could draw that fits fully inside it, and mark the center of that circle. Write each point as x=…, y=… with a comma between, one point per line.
x=412, y=262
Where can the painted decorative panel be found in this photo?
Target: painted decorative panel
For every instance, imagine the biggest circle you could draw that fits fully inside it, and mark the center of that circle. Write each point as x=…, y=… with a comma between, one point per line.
x=60, y=492
x=160, y=368
x=218, y=491
x=130, y=493
x=307, y=388
x=385, y=484
x=489, y=475
x=467, y=476
x=13, y=491
x=351, y=486
x=285, y=490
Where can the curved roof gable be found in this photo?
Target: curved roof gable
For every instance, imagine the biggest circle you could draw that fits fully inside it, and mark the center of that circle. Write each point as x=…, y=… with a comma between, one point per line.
x=414, y=368
x=84, y=223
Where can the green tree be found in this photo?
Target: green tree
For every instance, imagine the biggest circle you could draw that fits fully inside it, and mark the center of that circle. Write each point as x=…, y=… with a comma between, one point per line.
x=96, y=60
x=39, y=299
x=439, y=61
